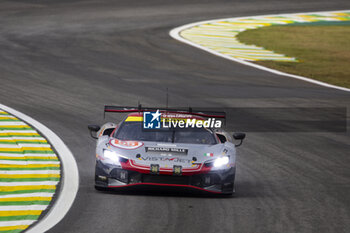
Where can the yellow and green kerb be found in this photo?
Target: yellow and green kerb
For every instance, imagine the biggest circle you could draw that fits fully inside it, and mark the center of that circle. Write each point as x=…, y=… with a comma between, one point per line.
x=220, y=36
x=29, y=174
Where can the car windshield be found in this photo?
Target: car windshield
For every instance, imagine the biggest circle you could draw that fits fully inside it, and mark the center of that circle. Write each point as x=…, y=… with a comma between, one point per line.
x=134, y=131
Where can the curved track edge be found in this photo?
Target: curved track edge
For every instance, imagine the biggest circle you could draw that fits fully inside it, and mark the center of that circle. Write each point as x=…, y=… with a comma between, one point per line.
x=69, y=181
x=175, y=33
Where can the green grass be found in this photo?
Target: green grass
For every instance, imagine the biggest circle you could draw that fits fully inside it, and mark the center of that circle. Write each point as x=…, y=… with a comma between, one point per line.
x=323, y=50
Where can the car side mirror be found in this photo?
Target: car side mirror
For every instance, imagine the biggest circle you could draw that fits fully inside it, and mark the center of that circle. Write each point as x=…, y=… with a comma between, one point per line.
x=93, y=130
x=239, y=136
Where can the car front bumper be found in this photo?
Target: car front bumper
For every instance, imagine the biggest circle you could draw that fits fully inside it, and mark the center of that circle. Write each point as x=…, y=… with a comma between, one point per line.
x=220, y=182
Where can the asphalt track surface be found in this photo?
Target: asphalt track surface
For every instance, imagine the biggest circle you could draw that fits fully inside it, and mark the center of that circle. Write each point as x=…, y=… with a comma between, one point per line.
x=61, y=61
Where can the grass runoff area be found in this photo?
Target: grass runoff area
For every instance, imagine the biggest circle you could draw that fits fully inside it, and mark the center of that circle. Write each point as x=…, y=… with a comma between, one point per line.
x=322, y=49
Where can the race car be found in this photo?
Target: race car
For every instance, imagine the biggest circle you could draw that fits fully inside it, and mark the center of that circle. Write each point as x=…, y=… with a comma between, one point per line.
x=129, y=155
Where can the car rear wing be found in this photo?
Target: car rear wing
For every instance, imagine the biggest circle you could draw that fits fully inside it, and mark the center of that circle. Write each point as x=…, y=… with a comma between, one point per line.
x=190, y=111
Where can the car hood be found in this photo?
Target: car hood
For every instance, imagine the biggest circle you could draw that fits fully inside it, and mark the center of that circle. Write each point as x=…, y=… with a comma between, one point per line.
x=170, y=154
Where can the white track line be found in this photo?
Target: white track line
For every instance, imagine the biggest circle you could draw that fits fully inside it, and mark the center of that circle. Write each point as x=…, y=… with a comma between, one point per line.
x=19, y=172
x=69, y=180
x=16, y=131
x=14, y=162
x=26, y=183
x=27, y=195
x=35, y=144
x=22, y=138
x=27, y=155
x=25, y=145
x=16, y=223
x=175, y=33
x=22, y=207
x=5, y=123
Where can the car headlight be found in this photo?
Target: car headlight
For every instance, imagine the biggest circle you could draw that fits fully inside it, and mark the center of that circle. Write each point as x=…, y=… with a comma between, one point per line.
x=219, y=162
x=111, y=155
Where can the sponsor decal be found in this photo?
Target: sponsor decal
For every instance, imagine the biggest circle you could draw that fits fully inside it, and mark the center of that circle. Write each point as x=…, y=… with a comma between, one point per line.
x=165, y=159
x=208, y=154
x=126, y=144
x=167, y=149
